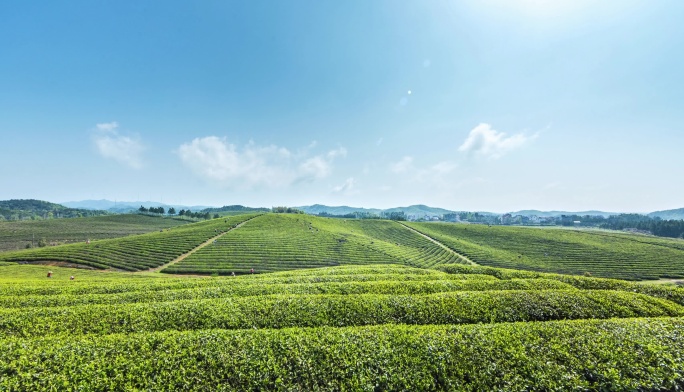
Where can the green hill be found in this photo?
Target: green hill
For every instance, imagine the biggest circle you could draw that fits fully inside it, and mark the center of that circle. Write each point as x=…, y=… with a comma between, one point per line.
x=569, y=251
x=356, y=327
x=132, y=253
x=19, y=209
x=15, y=235
x=418, y=210
x=276, y=242
x=677, y=214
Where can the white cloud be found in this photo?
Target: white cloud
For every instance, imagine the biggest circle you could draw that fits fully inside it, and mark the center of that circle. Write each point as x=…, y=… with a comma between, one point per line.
x=108, y=126
x=112, y=145
x=487, y=142
x=271, y=166
x=347, y=188
x=340, y=152
x=316, y=167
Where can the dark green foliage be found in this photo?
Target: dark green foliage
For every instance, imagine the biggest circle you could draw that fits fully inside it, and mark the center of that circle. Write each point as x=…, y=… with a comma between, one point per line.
x=286, y=210
x=37, y=209
x=282, y=311
x=674, y=294
x=369, y=327
x=391, y=284
x=610, y=355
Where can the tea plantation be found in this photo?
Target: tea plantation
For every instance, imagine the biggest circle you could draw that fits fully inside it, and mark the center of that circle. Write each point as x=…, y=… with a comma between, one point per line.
x=132, y=253
x=16, y=235
x=567, y=251
x=349, y=305
x=275, y=242
x=361, y=327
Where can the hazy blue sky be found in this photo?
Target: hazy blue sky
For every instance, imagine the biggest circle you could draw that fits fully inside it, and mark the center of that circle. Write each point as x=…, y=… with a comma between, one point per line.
x=493, y=105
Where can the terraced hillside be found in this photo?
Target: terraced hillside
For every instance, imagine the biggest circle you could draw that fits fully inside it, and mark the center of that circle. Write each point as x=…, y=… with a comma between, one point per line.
x=361, y=327
x=133, y=253
x=16, y=235
x=599, y=253
x=276, y=242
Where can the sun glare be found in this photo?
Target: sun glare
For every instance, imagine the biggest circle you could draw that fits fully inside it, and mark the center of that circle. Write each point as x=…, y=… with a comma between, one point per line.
x=539, y=8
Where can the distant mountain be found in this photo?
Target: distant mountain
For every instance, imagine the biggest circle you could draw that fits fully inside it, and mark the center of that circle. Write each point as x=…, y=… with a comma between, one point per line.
x=677, y=214
x=126, y=206
x=18, y=209
x=420, y=210
x=340, y=210
x=234, y=208
x=548, y=214
x=417, y=210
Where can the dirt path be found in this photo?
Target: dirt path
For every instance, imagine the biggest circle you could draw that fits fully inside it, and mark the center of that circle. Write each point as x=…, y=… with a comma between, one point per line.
x=184, y=255
x=467, y=260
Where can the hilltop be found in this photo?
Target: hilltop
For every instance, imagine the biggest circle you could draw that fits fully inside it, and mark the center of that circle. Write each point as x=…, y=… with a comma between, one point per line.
x=15, y=235
x=677, y=214
x=127, y=206
x=419, y=210
x=271, y=242
x=18, y=209
x=560, y=213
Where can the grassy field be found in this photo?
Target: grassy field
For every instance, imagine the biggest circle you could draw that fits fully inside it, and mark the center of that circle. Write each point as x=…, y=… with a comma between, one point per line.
x=276, y=242
x=15, y=235
x=279, y=242
x=568, y=251
x=132, y=253
x=354, y=327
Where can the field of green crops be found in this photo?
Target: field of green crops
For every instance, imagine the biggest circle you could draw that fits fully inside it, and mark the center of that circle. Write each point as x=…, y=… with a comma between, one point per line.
x=340, y=304
x=369, y=327
x=16, y=235
x=567, y=251
x=132, y=253
x=276, y=242
x=281, y=242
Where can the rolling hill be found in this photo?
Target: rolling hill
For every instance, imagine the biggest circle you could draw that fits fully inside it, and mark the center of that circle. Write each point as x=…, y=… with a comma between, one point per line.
x=15, y=235
x=275, y=242
x=677, y=214
x=22, y=209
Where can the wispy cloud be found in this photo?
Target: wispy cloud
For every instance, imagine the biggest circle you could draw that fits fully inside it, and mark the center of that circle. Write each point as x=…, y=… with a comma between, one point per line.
x=112, y=145
x=489, y=143
x=215, y=159
x=347, y=188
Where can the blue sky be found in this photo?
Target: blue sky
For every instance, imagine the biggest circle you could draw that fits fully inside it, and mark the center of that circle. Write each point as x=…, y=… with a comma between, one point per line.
x=493, y=105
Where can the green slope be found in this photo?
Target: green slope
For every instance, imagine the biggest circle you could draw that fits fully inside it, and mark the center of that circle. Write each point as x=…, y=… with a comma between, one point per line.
x=599, y=253
x=133, y=253
x=19, y=209
x=16, y=235
x=275, y=242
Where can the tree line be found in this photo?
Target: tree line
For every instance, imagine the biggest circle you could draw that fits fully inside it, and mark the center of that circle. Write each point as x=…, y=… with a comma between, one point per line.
x=172, y=211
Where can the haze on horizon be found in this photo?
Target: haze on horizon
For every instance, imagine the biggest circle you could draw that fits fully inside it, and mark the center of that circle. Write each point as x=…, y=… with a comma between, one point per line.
x=494, y=105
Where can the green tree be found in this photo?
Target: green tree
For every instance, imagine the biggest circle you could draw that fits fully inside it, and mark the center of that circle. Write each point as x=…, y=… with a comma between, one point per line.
x=172, y=211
